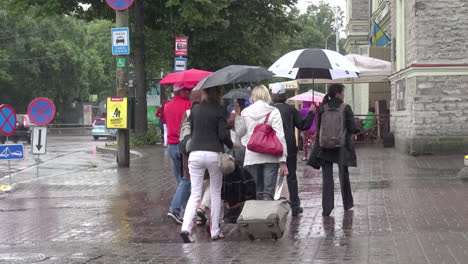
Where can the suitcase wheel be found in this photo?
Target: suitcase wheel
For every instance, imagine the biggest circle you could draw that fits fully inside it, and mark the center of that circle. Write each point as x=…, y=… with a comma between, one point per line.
x=274, y=236
x=251, y=237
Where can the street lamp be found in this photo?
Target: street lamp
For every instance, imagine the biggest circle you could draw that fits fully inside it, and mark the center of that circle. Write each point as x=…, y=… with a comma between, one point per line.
x=326, y=40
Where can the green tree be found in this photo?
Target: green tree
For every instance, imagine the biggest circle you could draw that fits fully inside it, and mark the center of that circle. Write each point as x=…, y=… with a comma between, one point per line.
x=58, y=57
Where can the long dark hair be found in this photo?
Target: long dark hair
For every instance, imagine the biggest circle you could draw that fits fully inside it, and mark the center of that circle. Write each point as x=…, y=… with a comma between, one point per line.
x=336, y=88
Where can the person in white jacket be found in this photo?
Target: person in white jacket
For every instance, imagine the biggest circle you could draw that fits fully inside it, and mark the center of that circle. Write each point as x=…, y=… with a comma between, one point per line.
x=263, y=167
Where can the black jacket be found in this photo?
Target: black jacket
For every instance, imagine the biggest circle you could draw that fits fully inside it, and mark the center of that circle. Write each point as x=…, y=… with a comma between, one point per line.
x=208, y=128
x=292, y=119
x=346, y=155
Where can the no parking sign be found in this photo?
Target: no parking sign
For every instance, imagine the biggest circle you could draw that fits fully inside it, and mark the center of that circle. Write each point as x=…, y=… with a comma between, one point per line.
x=41, y=111
x=120, y=4
x=7, y=120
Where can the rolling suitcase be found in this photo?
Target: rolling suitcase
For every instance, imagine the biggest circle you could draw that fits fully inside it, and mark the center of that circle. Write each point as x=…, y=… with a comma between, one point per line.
x=262, y=219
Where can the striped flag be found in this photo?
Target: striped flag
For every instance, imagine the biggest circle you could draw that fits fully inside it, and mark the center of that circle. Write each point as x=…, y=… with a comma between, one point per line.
x=378, y=37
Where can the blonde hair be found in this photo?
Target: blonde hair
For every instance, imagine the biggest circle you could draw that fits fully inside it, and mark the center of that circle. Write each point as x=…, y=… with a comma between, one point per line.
x=260, y=92
x=213, y=94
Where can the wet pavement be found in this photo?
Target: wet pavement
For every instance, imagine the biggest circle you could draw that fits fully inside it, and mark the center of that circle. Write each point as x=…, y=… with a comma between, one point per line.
x=407, y=210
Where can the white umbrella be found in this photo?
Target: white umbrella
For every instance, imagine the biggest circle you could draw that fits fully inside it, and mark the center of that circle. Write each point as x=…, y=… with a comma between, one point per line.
x=314, y=63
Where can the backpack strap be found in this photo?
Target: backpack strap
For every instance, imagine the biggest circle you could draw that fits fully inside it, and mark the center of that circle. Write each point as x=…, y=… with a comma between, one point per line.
x=266, y=118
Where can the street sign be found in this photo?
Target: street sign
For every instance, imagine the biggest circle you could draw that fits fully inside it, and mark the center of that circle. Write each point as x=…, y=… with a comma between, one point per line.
x=120, y=4
x=121, y=62
x=117, y=112
x=120, y=41
x=180, y=64
x=181, y=46
x=11, y=152
x=39, y=141
x=41, y=111
x=7, y=120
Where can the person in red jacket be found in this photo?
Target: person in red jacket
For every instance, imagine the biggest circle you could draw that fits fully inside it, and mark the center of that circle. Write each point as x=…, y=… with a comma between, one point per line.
x=162, y=122
x=173, y=114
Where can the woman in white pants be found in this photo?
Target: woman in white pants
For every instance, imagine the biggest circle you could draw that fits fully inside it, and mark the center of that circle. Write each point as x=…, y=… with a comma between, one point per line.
x=209, y=134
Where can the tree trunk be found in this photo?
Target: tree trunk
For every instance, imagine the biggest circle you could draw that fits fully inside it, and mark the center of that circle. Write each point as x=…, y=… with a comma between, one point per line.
x=141, y=121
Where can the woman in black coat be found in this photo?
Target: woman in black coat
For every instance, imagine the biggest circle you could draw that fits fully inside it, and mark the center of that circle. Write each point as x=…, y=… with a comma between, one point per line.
x=344, y=156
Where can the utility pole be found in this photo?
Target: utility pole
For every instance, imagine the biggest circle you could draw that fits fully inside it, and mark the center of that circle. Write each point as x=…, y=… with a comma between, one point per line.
x=121, y=77
x=337, y=28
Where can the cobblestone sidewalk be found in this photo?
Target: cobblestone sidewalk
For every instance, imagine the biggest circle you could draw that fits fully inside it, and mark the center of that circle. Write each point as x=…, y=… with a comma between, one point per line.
x=407, y=210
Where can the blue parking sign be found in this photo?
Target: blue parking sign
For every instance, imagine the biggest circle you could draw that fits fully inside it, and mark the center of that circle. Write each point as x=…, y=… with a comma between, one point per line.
x=120, y=41
x=11, y=152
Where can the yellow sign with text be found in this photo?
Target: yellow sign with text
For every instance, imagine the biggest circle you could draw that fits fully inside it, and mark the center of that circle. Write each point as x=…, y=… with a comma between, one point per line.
x=117, y=112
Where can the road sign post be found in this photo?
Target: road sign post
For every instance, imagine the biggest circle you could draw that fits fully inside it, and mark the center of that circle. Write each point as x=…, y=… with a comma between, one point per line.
x=123, y=135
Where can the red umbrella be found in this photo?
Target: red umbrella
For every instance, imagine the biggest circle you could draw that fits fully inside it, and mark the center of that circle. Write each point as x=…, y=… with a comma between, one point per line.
x=188, y=78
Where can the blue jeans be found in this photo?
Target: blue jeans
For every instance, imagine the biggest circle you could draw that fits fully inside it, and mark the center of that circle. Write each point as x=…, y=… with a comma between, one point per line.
x=183, y=189
x=265, y=176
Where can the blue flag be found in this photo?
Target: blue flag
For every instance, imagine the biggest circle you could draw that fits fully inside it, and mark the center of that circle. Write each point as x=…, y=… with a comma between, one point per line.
x=378, y=37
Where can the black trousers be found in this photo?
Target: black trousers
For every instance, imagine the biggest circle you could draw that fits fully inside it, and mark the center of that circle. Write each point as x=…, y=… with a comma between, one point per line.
x=291, y=163
x=328, y=190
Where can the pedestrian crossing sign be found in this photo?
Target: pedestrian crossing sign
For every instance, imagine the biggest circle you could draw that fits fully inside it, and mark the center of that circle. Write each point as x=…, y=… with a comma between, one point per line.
x=117, y=112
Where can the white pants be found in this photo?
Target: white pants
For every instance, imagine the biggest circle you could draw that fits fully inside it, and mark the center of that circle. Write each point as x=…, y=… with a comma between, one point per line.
x=206, y=200
x=165, y=134
x=198, y=162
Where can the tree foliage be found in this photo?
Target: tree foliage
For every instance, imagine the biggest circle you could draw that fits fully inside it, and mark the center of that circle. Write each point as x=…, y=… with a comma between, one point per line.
x=58, y=57
x=76, y=43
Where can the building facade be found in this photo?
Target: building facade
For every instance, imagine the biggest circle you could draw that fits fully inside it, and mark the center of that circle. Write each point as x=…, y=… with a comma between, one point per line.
x=429, y=84
x=429, y=103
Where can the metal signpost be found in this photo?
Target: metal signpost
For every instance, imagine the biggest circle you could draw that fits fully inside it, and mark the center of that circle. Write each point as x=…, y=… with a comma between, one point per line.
x=10, y=152
x=41, y=111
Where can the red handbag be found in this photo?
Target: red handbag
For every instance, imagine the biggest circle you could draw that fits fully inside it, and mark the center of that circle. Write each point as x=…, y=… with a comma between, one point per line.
x=264, y=140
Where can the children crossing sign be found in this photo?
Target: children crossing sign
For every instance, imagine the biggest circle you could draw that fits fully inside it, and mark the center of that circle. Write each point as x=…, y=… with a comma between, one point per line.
x=117, y=112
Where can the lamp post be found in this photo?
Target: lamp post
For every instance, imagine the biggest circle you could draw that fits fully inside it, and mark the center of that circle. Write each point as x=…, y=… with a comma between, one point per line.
x=326, y=40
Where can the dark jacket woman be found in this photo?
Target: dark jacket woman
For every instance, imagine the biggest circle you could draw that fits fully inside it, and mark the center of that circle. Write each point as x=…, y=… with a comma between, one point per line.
x=345, y=156
x=207, y=124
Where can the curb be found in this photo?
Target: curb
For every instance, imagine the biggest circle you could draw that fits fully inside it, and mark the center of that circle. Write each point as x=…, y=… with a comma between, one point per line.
x=107, y=150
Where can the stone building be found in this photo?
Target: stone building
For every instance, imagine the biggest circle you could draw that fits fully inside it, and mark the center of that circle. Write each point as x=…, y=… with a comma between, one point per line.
x=429, y=84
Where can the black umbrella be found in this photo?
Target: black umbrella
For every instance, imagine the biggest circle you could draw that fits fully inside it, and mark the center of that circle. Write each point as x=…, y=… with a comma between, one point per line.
x=234, y=74
x=239, y=93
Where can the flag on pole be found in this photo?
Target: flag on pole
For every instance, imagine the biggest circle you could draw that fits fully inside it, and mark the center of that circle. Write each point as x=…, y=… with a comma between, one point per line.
x=378, y=37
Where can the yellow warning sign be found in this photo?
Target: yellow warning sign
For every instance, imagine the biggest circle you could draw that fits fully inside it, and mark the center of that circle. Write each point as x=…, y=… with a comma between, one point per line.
x=116, y=112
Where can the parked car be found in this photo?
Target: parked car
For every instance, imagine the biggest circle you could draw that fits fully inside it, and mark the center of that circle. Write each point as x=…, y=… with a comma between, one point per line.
x=22, y=132
x=100, y=130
